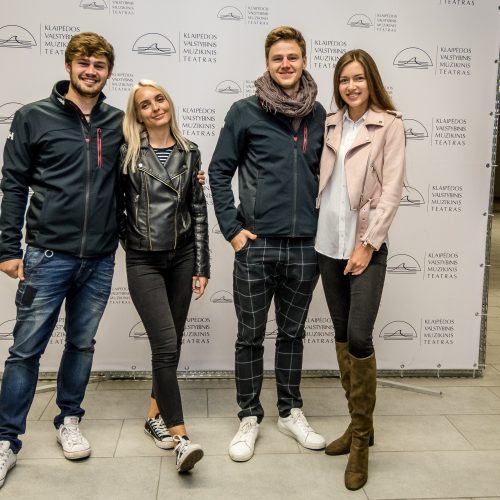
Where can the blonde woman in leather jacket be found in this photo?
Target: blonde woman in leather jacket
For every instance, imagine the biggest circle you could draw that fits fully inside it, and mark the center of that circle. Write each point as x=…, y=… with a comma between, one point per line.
x=361, y=181
x=166, y=239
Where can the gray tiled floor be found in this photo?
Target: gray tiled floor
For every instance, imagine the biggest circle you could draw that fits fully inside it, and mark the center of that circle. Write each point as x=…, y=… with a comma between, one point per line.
x=426, y=447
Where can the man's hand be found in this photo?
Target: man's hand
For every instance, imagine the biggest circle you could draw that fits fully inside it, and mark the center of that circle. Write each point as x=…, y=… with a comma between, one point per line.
x=200, y=176
x=240, y=240
x=199, y=285
x=13, y=268
x=359, y=260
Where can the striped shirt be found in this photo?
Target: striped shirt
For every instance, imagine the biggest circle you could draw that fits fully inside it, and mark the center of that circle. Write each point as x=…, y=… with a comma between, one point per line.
x=163, y=154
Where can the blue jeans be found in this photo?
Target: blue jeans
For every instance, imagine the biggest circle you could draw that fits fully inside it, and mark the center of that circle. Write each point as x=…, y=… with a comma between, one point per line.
x=51, y=277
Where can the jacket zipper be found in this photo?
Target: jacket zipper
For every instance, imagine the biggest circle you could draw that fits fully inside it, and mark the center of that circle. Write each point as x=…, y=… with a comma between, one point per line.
x=295, y=187
x=147, y=218
x=87, y=191
x=99, y=147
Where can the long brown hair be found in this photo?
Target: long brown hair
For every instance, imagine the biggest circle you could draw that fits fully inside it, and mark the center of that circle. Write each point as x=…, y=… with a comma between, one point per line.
x=379, y=98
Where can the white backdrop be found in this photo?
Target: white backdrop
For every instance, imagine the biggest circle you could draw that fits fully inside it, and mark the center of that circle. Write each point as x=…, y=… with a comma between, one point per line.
x=438, y=59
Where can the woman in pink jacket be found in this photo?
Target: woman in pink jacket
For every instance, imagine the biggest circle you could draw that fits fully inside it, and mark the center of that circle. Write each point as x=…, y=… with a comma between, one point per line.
x=361, y=182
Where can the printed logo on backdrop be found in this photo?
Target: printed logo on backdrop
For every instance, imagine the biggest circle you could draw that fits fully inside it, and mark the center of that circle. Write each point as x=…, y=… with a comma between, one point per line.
x=208, y=195
x=199, y=48
x=411, y=197
x=326, y=53
x=55, y=38
x=249, y=88
x=442, y=265
x=271, y=330
x=7, y=112
x=449, y=132
x=319, y=330
x=458, y=3
x=6, y=329
x=197, y=330
x=216, y=229
x=454, y=61
x=403, y=263
x=415, y=130
x=138, y=331
x=221, y=297
x=398, y=330
x=154, y=44
x=438, y=331
x=119, y=296
x=412, y=58
x=360, y=21
x=229, y=87
x=230, y=13
x=93, y=4
x=58, y=336
x=121, y=82
x=13, y=36
x=198, y=121
x=446, y=198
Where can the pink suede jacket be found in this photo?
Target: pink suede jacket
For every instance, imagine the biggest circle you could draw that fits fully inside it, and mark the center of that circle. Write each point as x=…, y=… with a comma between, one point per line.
x=375, y=170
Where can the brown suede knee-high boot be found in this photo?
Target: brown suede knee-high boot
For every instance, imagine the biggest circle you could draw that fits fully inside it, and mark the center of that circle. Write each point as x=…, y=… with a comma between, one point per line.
x=342, y=445
x=362, y=398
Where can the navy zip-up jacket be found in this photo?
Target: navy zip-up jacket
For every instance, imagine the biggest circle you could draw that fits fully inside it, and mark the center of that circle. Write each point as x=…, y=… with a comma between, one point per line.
x=278, y=171
x=72, y=168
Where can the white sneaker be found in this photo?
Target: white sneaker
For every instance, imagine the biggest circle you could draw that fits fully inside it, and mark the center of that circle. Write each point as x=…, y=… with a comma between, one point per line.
x=296, y=426
x=156, y=428
x=242, y=446
x=7, y=460
x=186, y=454
x=74, y=445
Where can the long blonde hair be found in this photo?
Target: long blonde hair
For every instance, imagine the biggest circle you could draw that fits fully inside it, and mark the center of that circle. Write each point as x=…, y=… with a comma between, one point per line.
x=133, y=130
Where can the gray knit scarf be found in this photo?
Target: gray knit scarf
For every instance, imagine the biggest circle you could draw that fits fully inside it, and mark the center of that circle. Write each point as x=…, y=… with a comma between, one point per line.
x=273, y=98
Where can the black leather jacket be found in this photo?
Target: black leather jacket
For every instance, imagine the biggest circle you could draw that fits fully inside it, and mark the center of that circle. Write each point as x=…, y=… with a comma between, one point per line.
x=165, y=205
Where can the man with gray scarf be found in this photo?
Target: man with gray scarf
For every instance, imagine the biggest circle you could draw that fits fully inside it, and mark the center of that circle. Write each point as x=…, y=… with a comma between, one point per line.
x=274, y=139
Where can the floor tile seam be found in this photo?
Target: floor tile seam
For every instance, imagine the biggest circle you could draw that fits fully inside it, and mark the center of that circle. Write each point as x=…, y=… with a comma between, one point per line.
x=119, y=437
x=39, y=419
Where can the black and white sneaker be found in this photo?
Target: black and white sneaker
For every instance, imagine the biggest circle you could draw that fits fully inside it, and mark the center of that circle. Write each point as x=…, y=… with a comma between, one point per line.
x=156, y=428
x=186, y=454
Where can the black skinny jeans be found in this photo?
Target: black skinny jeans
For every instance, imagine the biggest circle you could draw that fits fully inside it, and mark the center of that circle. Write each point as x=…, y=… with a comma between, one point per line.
x=353, y=301
x=160, y=285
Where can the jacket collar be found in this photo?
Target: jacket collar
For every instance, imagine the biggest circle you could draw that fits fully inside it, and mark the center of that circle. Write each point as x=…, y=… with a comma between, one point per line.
x=60, y=90
x=373, y=117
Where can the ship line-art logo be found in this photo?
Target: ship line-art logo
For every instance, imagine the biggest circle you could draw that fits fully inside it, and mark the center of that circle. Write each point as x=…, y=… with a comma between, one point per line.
x=13, y=36
x=412, y=58
x=415, y=130
x=228, y=87
x=271, y=329
x=230, y=13
x=359, y=21
x=153, y=44
x=216, y=229
x=138, y=331
x=93, y=4
x=398, y=330
x=222, y=297
x=6, y=329
x=402, y=263
x=411, y=197
x=7, y=112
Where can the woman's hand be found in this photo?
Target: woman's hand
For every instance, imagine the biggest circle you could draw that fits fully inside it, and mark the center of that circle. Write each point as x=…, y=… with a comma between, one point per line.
x=199, y=284
x=359, y=260
x=200, y=177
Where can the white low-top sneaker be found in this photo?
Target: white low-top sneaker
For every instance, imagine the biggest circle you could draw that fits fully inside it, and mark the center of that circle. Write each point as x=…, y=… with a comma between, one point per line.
x=297, y=426
x=187, y=454
x=7, y=460
x=242, y=446
x=69, y=436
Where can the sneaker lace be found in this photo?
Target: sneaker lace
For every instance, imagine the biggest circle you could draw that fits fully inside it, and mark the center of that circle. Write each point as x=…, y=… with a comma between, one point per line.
x=4, y=455
x=181, y=445
x=72, y=434
x=159, y=427
x=300, y=419
x=246, y=428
